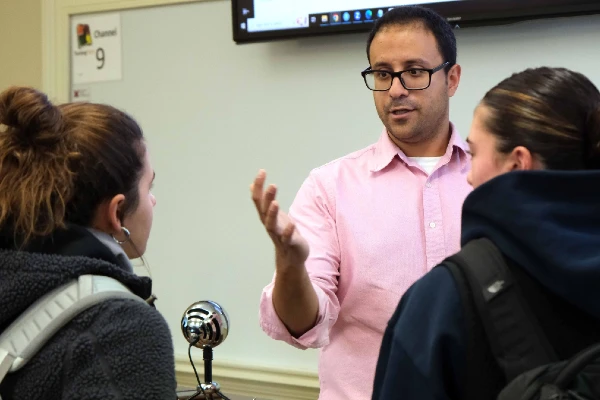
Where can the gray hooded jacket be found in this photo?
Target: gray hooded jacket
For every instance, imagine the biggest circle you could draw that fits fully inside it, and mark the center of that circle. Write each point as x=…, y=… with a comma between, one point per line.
x=118, y=349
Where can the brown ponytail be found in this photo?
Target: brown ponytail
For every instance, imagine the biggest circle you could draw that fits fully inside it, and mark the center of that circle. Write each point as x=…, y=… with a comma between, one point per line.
x=36, y=180
x=58, y=164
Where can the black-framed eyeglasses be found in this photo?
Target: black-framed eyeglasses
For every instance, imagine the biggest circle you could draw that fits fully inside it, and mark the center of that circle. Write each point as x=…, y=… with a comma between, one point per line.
x=411, y=79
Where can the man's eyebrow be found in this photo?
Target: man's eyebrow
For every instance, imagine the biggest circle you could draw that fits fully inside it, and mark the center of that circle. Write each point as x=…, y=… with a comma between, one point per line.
x=416, y=61
x=407, y=63
x=381, y=65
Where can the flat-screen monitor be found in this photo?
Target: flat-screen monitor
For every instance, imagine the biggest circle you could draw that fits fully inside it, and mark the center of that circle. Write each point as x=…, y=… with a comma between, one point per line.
x=265, y=20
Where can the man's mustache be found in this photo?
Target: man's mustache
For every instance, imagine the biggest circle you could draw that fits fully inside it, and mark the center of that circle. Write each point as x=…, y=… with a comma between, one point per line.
x=403, y=104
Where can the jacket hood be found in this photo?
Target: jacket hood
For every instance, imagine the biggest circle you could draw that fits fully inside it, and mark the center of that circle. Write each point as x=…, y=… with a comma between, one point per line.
x=548, y=222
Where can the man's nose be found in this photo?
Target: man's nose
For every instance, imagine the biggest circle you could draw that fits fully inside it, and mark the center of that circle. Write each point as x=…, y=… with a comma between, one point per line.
x=397, y=89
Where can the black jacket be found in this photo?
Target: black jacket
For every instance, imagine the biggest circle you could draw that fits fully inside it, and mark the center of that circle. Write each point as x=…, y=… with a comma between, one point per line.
x=547, y=225
x=118, y=349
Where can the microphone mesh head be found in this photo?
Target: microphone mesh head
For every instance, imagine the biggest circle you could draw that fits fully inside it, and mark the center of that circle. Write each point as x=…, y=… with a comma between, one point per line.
x=205, y=323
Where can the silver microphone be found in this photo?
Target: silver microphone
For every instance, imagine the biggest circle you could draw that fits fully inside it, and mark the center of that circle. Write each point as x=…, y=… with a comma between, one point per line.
x=205, y=325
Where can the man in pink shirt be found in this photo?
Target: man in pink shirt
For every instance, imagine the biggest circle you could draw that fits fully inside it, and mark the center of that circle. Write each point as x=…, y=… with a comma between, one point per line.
x=364, y=227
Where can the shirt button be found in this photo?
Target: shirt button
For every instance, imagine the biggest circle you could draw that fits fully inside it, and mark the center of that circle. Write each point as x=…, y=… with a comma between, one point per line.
x=428, y=184
x=432, y=224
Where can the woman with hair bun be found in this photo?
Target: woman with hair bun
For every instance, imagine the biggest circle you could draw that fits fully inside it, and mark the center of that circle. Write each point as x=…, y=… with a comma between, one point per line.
x=535, y=168
x=75, y=199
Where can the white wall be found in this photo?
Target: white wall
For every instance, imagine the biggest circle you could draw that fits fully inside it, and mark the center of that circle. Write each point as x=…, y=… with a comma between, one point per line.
x=215, y=113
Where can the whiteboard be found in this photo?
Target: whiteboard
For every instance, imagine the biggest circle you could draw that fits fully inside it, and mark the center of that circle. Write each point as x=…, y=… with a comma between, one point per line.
x=215, y=112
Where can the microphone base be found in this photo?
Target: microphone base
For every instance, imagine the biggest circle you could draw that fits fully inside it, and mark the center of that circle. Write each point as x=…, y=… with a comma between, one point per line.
x=209, y=388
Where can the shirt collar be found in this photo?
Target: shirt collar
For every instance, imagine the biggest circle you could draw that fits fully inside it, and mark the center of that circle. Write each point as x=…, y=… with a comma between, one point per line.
x=386, y=150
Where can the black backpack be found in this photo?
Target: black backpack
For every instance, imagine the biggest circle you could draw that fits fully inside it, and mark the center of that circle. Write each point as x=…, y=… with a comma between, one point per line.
x=518, y=344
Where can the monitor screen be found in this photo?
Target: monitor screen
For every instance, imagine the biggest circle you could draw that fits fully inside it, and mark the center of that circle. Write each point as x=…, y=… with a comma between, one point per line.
x=260, y=20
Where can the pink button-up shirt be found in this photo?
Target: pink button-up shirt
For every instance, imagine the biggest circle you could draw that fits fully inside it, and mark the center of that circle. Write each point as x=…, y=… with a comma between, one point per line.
x=375, y=223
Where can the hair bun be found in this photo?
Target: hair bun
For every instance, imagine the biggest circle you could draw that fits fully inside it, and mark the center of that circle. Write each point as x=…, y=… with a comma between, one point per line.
x=31, y=117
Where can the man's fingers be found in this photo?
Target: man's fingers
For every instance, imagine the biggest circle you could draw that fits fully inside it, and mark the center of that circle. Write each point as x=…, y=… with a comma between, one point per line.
x=268, y=197
x=271, y=218
x=286, y=235
x=256, y=188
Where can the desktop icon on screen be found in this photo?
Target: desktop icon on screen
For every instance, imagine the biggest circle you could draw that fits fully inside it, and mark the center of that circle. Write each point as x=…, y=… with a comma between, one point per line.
x=324, y=18
x=346, y=16
x=335, y=17
x=357, y=15
x=302, y=21
x=379, y=13
x=369, y=14
x=84, y=37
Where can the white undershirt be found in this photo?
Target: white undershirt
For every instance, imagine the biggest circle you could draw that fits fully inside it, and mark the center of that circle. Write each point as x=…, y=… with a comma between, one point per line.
x=427, y=163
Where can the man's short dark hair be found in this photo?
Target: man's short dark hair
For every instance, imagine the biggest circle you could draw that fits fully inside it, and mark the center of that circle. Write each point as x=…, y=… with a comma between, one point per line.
x=432, y=21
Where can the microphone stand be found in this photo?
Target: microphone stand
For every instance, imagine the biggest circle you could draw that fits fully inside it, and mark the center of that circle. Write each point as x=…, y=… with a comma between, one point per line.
x=209, y=388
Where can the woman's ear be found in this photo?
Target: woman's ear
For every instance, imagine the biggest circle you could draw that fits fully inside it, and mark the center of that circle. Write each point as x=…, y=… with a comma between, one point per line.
x=109, y=216
x=114, y=213
x=520, y=159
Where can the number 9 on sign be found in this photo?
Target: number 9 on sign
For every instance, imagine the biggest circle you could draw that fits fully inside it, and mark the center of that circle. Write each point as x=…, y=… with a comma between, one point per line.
x=100, y=57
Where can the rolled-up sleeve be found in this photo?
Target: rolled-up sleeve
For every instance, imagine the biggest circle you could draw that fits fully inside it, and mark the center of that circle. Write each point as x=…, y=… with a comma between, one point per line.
x=313, y=212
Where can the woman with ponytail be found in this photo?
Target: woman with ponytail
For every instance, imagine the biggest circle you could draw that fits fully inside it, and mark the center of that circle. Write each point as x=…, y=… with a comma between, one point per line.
x=535, y=168
x=75, y=199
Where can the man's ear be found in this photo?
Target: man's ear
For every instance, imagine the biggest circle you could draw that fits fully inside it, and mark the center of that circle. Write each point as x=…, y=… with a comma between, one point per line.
x=453, y=79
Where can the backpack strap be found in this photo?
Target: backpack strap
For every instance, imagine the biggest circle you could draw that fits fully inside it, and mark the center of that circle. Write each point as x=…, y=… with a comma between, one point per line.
x=516, y=339
x=32, y=329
